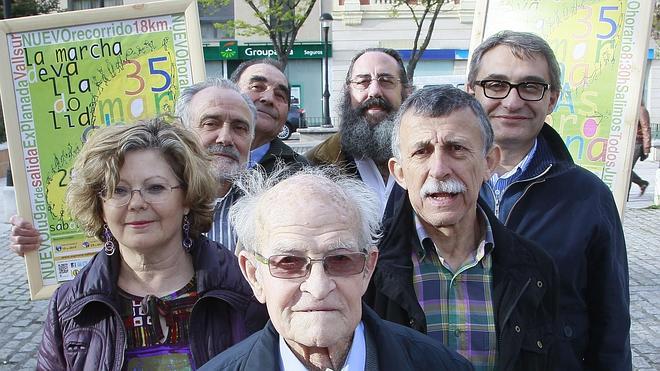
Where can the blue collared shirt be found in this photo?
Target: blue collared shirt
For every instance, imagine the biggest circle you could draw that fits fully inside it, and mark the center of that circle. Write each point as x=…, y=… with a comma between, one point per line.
x=500, y=183
x=257, y=154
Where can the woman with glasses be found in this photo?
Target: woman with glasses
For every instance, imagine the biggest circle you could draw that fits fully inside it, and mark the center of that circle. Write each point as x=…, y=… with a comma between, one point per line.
x=159, y=295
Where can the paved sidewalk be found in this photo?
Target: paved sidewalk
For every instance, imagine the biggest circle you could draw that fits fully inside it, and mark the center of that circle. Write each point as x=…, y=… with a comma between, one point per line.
x=21, y=319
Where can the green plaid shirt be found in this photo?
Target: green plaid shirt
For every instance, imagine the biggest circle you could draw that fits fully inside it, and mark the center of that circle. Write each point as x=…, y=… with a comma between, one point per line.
x=458, y=306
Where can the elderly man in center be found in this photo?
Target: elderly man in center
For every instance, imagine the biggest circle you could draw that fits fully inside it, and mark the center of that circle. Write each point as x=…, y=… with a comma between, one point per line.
x=310, y=260
x=448, y=267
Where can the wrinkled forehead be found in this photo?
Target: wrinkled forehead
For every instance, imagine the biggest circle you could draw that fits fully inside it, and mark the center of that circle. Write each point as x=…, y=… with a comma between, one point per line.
x=264, y=73
x=310, y=190
x=308, y=211
x=375, y=64
x=460, y=126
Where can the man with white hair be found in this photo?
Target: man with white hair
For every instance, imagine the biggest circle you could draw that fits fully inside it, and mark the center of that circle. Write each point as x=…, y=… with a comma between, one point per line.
x=318, y=321
x=448, y=267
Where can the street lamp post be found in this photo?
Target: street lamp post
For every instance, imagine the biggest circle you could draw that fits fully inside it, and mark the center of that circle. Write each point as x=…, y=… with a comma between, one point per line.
x=326, y=20
x=6, y=9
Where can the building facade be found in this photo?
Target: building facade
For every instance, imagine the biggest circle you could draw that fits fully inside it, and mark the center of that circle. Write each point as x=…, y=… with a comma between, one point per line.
x=358, y=24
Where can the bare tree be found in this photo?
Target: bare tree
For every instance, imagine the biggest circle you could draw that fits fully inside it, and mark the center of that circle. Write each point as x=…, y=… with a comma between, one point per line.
x=280, y=20
x=424, y=13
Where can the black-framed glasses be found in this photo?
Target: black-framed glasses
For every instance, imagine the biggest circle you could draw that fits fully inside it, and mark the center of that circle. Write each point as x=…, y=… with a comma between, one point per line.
x=152, y=192
x=291, y=266
x=527, y=90
x=385, y=81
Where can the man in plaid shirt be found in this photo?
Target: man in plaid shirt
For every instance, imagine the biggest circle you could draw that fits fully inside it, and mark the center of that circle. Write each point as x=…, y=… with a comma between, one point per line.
x=447, y=266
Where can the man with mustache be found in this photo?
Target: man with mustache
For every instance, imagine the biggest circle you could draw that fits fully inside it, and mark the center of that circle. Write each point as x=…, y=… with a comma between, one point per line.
x=224, y=119
x=447, y=266
x=376, y=84
x=263, y=80
x=539, y=192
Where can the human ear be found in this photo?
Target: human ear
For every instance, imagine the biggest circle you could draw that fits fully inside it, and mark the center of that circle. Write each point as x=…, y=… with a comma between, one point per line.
x=554, y=97
x=250, y=273
x=369, y=267
x=397, y=171
x=492, y=161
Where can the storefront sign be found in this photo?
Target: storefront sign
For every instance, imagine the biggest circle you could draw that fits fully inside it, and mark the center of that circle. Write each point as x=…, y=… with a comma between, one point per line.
x=230, y=50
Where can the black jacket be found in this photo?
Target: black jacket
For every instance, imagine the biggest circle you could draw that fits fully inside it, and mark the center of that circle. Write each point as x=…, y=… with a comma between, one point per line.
x=525, y=291
x=389, y=347
x=279, y=151
x=84, y=330
x=329, y=152
x=571, y=214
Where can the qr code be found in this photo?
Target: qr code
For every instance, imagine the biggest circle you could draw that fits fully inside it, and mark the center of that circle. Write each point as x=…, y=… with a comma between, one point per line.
x=63, y=269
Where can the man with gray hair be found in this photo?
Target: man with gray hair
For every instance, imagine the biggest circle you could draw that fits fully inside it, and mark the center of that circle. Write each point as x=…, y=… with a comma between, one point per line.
x=539, y=192
x=224, y=120
x=376, y=84
x=317, y=317
x=448, y=267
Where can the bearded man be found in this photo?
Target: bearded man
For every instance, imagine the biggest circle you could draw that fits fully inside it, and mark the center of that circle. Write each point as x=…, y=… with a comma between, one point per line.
x=376, y=84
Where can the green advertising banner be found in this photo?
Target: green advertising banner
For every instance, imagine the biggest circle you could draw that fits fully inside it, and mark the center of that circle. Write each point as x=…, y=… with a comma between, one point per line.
x=230, y=50
x=601, y=46
x=67, y=82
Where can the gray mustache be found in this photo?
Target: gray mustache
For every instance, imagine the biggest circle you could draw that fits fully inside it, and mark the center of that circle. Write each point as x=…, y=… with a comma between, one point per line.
x=219, y=149
x=442, y=186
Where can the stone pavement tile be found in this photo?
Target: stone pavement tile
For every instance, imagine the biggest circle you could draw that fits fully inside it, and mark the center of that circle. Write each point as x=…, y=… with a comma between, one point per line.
x=30, y=364
x=641, y=363
x=23, y=335
x=643, y=242
x=22, y=323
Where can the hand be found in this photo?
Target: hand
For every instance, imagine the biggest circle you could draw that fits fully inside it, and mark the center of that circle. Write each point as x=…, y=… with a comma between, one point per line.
x=23, y=237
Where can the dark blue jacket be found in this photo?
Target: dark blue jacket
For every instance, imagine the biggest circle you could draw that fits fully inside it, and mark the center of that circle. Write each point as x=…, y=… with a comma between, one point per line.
x=571, y=214
x=280, y=152
x=84, y=331
x=525, y=291
x=389, y=347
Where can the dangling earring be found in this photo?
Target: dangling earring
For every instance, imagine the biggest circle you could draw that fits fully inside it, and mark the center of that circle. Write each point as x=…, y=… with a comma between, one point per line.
x=109, y=246
x=187, y=241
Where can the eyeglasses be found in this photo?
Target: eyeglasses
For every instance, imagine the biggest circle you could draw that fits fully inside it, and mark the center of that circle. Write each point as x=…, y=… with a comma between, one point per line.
x=385, y=81
x=291, y=266
x=152, y=193
x=527, y=90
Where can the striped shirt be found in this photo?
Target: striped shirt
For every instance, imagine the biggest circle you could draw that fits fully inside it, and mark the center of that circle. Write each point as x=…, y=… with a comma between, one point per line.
x=458, y=305
x=500, y=183
x=221, y=230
